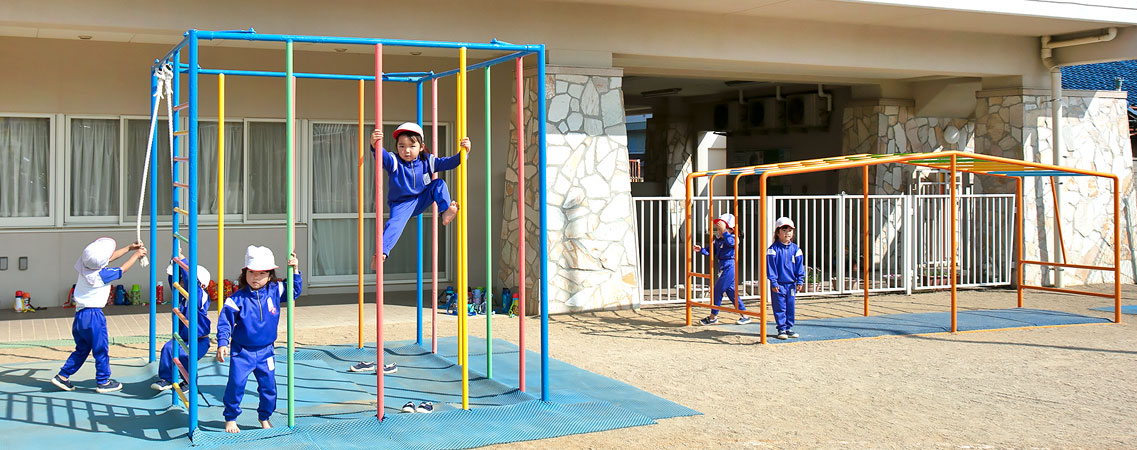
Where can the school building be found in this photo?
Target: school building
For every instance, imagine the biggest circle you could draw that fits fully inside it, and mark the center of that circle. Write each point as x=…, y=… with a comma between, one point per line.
x=639, y=94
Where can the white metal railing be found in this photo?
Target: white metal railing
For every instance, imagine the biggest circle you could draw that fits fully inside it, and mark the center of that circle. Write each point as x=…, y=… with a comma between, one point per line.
x=908, y=242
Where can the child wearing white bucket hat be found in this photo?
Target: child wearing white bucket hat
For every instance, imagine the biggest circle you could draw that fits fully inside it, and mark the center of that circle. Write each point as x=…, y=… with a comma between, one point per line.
x=785, y=269
x=90, y=326
x=411, y=189
x=246, y=330
x=166, y=362
x=724, y=268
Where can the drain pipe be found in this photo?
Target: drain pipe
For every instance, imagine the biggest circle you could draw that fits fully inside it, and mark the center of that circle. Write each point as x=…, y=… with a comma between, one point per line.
x=828, y=98
x=1048, y=46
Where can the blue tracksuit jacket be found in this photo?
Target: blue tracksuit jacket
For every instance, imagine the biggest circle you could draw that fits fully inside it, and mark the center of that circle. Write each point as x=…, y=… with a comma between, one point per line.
x=724, y=265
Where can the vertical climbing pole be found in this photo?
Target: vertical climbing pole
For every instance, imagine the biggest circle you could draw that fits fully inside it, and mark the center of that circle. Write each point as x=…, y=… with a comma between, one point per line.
x=544, y=203
x=379, y=235
x=434, y=223
x=954, y=243
x=359, y=211
x=221, y=192
x=521, y=223
x=487, y=296
x=290, y=162
x=193, y=241
x=176, y=166
x=464, y=206
x=866, y=251
x=418, y=243
x=154, y=214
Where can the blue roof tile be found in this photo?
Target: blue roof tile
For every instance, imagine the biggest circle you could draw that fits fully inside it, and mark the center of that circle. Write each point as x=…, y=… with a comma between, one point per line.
x=1103, y=77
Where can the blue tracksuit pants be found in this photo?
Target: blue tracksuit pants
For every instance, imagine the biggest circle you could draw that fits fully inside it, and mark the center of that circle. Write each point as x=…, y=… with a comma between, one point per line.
x=724, y=284
x=783, y=303
x=260, y=363
x=166, y=363
x=90, y=332
x=435, y=192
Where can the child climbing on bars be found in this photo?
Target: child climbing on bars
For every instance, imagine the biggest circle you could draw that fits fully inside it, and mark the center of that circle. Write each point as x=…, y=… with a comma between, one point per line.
x=785, y=269
x=410, y=188
x=724, y=268
x=90, y=326
x=166, y=363
x=246, y=329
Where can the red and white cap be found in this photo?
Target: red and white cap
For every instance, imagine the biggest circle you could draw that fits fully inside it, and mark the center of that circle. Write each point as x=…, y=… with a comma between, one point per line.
x=407, y=127
x=784, y=222
x=728, y=219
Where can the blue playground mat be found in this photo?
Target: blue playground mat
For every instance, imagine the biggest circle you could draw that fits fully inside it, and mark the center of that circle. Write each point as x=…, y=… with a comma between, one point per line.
x=335, y=408
x=921, y=323
x=1125, y=309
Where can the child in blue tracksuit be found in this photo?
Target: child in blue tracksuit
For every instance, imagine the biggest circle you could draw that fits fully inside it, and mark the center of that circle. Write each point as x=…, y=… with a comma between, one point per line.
x=90, y=326
x=166, y=363
x=248, y=323
x=724, y=268
x=410, y=188
x=786, y=271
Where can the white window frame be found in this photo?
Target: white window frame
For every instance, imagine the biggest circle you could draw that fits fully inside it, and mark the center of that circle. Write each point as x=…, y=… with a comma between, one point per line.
x=368, y=279
x=52, y=176
x=91, y=220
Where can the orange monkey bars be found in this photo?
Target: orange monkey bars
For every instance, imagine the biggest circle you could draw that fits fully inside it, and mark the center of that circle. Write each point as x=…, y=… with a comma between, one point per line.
x=951, y=161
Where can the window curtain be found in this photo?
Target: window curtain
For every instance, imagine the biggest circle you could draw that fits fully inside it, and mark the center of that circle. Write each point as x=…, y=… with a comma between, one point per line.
x=24, y=171
x=207, y=167
x=266, y=169
x=94, y=167
x=335, y=183
x=137, y=131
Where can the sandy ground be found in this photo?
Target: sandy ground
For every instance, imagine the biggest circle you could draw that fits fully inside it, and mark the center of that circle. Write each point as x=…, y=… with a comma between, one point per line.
x=1063, y=387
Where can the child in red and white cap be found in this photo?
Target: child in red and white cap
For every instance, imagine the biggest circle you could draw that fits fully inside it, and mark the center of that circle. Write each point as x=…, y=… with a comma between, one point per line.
x=786, y=271
x=410, y=187
x=724, y=268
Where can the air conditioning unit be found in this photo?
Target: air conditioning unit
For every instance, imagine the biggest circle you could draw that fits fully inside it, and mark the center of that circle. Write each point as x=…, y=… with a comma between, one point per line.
x=761, y=113
x=801, y=110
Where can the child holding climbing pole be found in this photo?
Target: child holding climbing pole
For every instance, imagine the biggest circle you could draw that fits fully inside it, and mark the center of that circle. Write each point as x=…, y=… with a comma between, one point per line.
x=89, y=329
x=724, y=256
x=166, y=362
x=246, y=330
x=786, y=271
x=411, y=189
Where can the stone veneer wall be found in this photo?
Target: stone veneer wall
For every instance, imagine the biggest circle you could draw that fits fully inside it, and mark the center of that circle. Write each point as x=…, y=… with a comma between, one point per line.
x=1015, y=123
x=593, y=260
x=891, y=126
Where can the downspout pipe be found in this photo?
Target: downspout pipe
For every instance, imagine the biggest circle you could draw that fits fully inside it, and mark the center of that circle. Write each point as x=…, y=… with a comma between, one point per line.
x=1048, y=46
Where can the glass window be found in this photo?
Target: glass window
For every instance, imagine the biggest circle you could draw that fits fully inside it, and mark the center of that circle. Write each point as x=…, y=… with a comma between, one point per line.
x=94, y=167
x=267, y=180
x=25, y=147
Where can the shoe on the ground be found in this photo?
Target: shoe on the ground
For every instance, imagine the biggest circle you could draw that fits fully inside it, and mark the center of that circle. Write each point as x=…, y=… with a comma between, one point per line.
x=109, y=386
x=59, y=382
x=782, y=335
x=425, y=407
x=409, y=407
x=388, y=368
x=184, y=386
x=743, y=320
x=161, y=385
x=363, y=366
x=792, y=333
x=709, y=320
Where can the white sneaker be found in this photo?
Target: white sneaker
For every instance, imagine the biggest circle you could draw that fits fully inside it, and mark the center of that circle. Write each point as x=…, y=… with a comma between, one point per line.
x=409, y=407
x=782, y=335
x=743, y=320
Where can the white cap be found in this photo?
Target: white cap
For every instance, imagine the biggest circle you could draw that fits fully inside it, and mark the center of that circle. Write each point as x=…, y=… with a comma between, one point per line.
x=95, y=257
x=784, y=221
x=407, y=127
x=728, y=218
x=202, y=274
x=259, y=259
